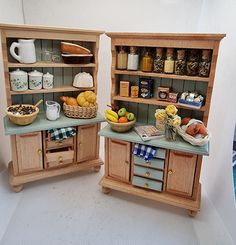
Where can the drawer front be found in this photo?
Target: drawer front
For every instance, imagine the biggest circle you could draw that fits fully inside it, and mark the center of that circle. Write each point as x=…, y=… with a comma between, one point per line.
x=148, y=172
x=59, y=143
x=154, y=163
x=147, y=183
x=57, y=159
x=161, y=153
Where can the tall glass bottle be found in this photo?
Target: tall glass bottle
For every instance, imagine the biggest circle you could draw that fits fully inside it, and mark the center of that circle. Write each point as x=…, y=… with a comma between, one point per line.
x=205, y=63
x=122, y=57
x=147, y=62
x=180, y=63
x=158, y=65
x=169, y=62
x=192, y=63
x=133, y=59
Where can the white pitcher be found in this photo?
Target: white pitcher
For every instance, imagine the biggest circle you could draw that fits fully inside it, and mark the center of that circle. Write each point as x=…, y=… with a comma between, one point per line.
x=53, y=110
x=26, y=51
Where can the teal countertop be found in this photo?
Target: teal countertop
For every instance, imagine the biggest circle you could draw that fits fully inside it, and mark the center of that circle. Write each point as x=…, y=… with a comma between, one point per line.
x=41, y=123
x=178, y=145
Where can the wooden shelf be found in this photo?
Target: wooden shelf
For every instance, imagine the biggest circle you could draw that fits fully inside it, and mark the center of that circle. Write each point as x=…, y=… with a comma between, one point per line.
x=154, y=101
x=49, y=64
x=53, y=90
x=161, y=75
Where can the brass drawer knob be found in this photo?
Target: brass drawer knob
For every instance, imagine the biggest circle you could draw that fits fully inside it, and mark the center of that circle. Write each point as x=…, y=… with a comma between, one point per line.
x=170, y=171
x=148, y=163
x=146, y=185
x=39, y=151
x=60, y=142
x=127, y=162
x=147, y=174
x=60, y=158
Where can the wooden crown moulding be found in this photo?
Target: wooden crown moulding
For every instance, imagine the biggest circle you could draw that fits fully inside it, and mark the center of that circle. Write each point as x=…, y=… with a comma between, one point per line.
x=169, y=36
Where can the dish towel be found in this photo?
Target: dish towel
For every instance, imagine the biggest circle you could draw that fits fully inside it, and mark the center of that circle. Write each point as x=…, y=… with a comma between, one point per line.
x=62, y=133
x=144, y=151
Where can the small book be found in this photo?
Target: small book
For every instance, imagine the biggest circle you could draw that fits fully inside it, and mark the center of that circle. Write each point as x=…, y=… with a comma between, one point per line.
x=148, y=132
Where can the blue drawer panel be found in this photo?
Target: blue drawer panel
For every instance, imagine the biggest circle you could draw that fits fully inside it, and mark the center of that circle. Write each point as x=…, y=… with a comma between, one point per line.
x=161, y=153
x=147, y=183
x=148, y=172
x=154, y=163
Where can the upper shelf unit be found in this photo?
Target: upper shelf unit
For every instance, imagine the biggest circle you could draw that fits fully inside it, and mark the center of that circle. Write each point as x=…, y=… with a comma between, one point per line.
x=49, y=64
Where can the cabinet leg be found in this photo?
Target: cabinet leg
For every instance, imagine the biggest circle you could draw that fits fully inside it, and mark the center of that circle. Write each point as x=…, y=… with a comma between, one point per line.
x=17, y=188
x=97, y=168
x=192, y=213
x=105, y=190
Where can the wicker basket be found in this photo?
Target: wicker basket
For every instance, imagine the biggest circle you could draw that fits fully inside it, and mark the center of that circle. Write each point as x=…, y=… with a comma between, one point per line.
x=192, y=140
x=80, y=112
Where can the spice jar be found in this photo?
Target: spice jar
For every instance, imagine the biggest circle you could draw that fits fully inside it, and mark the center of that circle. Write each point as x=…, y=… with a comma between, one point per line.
x=169, y=62
x=192, y=63
x=147, y=62
x=205, y=63
x=122, y=59
x=180, y=63
x=158, y=61
x=133, y=59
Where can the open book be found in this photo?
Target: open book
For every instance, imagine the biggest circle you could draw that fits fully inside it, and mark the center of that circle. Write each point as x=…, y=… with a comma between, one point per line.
x=148, y=132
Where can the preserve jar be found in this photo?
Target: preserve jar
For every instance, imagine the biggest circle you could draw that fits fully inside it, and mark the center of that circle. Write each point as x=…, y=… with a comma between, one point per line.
x=147, y=62
x=205, y=63
x=169, y=62
x=122, y=59
x=133, y=58
x=180, y=63
x=192, y=63
x=158, y=65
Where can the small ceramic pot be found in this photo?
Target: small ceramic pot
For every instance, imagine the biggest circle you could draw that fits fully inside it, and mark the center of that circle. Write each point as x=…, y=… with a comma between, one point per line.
x=47, y=81
x=19, y=80
x=35, y=80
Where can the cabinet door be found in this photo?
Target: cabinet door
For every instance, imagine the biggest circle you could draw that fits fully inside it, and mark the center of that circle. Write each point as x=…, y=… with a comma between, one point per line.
x=87, y=142
x=181, y=171
x=119, y=155
x=29, y=152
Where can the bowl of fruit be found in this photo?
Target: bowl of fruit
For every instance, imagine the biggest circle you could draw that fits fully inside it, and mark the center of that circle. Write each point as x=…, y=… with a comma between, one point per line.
x=120, y=120
x=194, y=131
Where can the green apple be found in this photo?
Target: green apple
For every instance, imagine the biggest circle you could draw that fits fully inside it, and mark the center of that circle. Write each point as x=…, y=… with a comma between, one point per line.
x=122, y=112
x=131, y=116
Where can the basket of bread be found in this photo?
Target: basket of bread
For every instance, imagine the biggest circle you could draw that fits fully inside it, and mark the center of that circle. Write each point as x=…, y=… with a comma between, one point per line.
x=194, y=131
x=83, y=106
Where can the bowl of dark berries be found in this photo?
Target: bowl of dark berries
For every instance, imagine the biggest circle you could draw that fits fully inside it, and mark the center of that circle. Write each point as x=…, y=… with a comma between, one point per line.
x=22, y=114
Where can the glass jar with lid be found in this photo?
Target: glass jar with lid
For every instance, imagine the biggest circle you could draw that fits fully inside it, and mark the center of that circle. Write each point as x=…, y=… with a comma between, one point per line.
x=205, y=63
x=169, y=62
x=122, y=57
x=158, y=65
x=180, y=63
x=147, y=62
x=192, y=63
x=133, y=59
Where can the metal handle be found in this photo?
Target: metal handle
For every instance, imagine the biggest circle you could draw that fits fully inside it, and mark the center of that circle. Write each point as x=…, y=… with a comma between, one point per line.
x=60, y=142
x=127, y=162
x=60, y=158
x=39, y=151
x=170, y=171
x=146, y=185
x=147, y=174
x=148, y=163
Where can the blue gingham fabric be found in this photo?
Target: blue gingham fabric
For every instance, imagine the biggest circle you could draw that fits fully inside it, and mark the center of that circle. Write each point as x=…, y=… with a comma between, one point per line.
x=144, y=151
x=62, y=133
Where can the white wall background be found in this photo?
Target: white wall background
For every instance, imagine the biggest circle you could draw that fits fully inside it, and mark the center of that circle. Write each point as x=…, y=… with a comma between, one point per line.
x=10, y=12
x=163, y=16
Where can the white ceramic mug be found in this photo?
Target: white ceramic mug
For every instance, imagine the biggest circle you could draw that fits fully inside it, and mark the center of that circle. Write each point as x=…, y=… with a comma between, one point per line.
x=35, y=80
x=53, y=110
x=26, y=51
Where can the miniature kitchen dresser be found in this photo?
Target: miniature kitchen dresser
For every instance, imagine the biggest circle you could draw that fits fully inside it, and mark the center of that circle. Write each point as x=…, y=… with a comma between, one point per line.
x=34, y=156
x=172, y=176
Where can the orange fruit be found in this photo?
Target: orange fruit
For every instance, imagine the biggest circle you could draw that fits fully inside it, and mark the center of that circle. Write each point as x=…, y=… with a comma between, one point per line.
x=126, y=114
x=123, y=120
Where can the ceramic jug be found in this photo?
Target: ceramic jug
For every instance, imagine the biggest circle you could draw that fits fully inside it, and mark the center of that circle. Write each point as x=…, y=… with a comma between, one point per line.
x=53, y=110
x=26, y=51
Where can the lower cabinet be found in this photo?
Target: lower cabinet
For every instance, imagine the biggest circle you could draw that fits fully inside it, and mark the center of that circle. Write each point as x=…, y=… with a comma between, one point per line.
x=87, y=142
x=29, y=152
x=119, y=159
x=181, y=173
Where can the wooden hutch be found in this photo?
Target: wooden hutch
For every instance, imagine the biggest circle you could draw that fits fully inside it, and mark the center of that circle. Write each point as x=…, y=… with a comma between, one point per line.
x=34, y=156
x=172, y=176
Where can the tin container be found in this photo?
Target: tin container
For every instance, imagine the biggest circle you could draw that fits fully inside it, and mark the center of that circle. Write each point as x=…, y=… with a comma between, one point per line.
x=146, y=88
x=124, y=88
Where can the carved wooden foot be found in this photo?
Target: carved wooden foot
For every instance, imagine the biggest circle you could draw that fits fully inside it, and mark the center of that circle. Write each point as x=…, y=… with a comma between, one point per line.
x=17, y=188
x=97, y=168
x=105, y=190
x=192, y=213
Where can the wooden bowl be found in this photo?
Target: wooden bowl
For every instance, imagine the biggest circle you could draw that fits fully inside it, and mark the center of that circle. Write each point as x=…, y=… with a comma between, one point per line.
x=71, y=48
x=121, y=127
x=22, y=120
x=77, y=58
